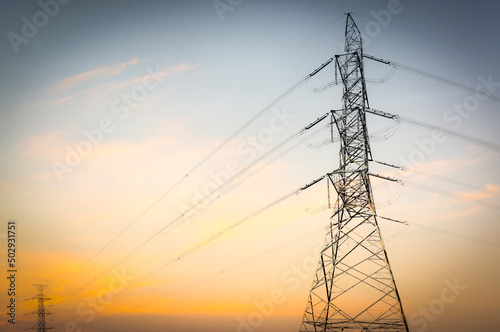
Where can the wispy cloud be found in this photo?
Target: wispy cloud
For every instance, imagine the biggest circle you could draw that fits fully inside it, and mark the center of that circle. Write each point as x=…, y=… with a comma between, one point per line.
x=46, y=146
x=448, y=165
x=101, y=89
x=107, y=88
x=94, y=74
x=490, y=190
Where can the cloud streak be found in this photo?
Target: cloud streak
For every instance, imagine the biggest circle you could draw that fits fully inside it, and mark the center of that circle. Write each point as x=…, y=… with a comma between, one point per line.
x=94, y=74
x=106, y=88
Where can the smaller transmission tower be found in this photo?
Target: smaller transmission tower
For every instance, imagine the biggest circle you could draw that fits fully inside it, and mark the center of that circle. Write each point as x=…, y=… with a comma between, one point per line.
x=41, y=312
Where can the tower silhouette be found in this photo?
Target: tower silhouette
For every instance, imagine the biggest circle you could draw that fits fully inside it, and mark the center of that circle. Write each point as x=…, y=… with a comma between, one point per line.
x=41, y=325
x=354, y=288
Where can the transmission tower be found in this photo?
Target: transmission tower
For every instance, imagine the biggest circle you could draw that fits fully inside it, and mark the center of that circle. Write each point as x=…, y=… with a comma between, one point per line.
x=354, y=288
x=41, y=312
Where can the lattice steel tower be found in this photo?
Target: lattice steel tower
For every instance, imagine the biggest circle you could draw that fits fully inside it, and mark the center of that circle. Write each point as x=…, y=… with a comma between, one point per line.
x=353, y=289
x=41, y=312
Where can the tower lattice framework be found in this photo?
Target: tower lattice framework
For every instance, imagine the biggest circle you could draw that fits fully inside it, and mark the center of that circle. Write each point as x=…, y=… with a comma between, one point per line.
x=354, y=288
x=41, y=325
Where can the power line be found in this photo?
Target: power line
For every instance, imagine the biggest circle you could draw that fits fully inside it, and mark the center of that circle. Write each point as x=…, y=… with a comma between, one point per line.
x=203, y=161
x=194, y=206
x=435, y=77
x=460, y=196
x=445, y=232
x=451, y=194
x=456, y=235
x=442, y=178
x=208, y=241
x=436, y=128
x=453, y=181
x=216, y=274
x=451, y=133
x=217, y=235
x=220, y=233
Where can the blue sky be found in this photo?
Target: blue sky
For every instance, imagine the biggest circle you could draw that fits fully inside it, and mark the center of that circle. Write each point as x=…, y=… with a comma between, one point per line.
x=69, y=84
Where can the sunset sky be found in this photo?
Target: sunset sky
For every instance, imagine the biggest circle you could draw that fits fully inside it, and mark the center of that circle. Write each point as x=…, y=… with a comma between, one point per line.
x=110, y=108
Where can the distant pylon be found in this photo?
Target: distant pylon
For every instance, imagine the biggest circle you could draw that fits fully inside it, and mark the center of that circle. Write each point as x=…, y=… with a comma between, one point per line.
x=354, y=288
x=41, y=325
